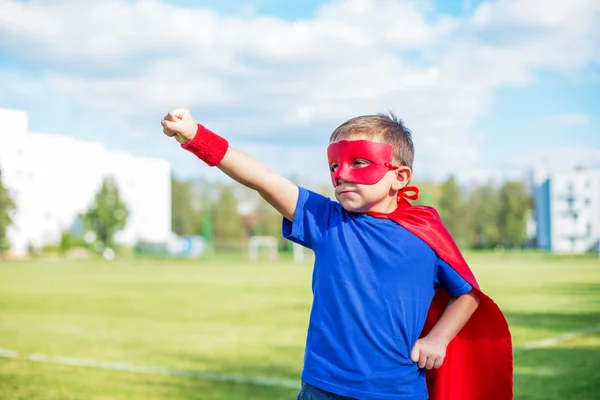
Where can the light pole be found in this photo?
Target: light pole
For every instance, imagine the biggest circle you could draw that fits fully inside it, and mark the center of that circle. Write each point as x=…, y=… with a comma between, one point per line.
x=207, y=225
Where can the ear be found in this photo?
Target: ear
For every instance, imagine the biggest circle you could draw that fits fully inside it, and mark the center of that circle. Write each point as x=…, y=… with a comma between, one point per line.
x=403, y=177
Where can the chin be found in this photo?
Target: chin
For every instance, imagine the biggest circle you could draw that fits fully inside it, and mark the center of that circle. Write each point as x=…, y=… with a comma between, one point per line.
x=354, y=207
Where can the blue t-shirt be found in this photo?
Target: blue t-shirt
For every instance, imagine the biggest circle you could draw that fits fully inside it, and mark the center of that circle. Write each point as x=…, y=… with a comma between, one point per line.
x=373, y=282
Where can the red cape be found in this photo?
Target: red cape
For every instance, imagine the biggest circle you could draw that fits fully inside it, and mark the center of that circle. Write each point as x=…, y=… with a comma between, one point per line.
x=479, y=361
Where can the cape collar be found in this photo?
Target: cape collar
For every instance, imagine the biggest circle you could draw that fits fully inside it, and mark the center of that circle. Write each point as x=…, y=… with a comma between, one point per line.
x=404, y=195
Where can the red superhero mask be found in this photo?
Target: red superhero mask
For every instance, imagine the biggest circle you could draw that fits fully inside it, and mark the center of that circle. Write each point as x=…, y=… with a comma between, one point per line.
x=345, y=152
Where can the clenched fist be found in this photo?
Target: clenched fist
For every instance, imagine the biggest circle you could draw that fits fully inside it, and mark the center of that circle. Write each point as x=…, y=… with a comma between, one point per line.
x=180, y=124
x=428, y=353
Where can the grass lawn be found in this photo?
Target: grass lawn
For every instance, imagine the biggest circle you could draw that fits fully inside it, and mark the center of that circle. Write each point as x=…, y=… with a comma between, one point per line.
x=232, y=317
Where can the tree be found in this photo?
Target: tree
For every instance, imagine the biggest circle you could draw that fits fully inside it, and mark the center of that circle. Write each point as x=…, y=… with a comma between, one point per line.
x=451, y=208
x=183, y=215
x=228, y=225
x=515, y=204
x=7, y=207
x=268, y=222
x=108, y=215
x=482, y=216
x=428, y=194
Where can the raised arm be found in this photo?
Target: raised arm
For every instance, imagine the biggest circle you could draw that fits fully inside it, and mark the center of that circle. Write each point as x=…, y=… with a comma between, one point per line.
x=253, y=173
x=243, y=168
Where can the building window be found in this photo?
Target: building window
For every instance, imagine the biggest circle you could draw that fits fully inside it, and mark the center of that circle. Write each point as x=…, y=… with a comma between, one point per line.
x=570, y=200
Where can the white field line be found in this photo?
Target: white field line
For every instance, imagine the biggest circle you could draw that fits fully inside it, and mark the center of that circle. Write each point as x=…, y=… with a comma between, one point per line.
x=218, y=377
x=145, y=369
x=551, y=341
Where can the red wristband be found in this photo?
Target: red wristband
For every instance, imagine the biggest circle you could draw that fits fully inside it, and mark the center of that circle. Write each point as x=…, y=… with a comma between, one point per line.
x=207, y=146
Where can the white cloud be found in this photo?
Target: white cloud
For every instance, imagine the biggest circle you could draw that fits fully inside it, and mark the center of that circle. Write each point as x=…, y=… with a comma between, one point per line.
x=567, y=120
x=558, y=159
x=128, y=63
x=541, y=34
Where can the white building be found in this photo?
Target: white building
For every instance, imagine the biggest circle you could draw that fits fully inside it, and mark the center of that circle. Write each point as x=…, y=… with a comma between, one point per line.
x=567, y=207
x=54, y=178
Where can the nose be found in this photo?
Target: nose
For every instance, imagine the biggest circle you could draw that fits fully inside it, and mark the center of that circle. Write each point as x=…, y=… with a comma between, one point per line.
x=337, y=176
x=339, y=181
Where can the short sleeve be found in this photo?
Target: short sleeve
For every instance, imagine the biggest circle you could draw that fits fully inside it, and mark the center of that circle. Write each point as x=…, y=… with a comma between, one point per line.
x=311, y=218
x=450, y=280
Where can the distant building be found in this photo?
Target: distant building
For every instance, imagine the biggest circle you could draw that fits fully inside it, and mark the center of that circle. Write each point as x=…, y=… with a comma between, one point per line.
x=54, y=178
x=567, y=211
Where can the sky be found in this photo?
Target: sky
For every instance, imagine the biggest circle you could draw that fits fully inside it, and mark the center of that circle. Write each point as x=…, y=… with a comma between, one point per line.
x=489, y=89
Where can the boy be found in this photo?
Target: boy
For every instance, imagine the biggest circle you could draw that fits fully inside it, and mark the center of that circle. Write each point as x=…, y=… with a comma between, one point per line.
x=379, y=263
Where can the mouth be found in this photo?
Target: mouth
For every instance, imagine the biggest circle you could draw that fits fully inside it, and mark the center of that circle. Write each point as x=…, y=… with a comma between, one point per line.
x=345, y=191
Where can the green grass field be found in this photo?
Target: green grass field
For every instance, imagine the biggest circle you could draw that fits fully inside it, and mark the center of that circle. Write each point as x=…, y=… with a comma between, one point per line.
x=233, y=317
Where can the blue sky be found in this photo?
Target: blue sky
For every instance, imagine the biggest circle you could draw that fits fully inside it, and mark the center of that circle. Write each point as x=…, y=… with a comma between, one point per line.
x=489, y=88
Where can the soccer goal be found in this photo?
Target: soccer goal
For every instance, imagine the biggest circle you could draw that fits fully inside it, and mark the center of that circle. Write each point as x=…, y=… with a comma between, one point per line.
x=299, y=252
x=257, y=242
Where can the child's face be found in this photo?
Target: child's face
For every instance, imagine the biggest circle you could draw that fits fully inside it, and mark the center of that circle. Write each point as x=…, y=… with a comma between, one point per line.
x=364, y=176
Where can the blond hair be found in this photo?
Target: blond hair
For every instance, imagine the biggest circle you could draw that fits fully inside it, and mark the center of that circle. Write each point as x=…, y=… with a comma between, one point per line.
x=386, y=128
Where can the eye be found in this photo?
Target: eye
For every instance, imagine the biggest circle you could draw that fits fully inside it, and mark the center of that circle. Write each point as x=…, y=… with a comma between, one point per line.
x=333, y=166
x=360, y=163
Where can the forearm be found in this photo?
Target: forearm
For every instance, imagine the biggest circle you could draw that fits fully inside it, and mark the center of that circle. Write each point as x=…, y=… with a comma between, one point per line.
x=244, y=168
x=253, y=173
x=214, y=150
x=455, y=316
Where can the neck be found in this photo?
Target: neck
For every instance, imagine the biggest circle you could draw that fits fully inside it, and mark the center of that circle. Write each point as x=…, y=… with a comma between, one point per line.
x=386, y=206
